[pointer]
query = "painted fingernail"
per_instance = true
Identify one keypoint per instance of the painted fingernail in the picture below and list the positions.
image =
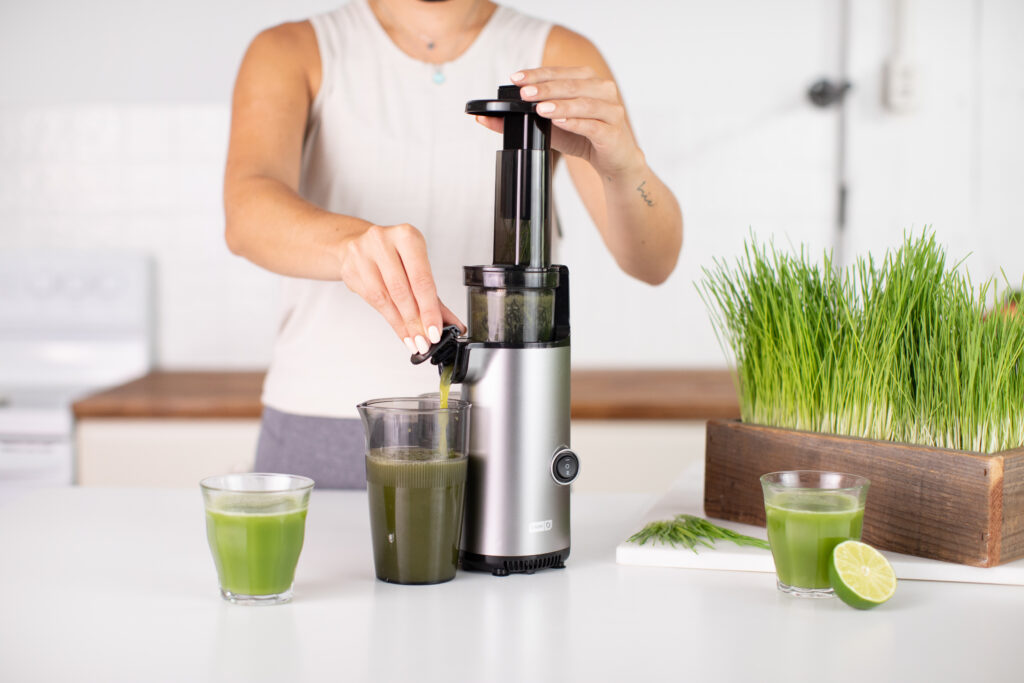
(422, 344)
(545, 107)
(518, 76)
(409, 345)
(528, 91)
(434, 334)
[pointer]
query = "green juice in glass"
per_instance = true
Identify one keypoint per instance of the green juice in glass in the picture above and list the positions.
(804, 528)
(415, 513)
(256, 553)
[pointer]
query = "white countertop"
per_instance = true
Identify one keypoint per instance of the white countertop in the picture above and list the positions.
(118, 585)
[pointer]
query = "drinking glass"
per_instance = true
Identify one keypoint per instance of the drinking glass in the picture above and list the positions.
(808, 514)
(255, 524)
(416, 466)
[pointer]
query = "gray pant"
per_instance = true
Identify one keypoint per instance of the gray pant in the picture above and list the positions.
(328, 450)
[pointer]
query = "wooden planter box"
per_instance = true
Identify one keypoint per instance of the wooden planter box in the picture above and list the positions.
(942, 504)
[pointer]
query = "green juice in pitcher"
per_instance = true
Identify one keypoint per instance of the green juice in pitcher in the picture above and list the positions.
(416, 498)
(804, 528)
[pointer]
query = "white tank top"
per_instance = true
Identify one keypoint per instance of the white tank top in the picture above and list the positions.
(385, 143)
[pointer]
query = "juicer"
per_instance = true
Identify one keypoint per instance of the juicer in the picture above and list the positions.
(513, 364)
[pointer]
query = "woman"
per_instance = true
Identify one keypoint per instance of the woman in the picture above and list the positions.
(353, 171)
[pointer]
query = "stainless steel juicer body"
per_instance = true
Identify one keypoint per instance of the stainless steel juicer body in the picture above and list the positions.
(517, 509)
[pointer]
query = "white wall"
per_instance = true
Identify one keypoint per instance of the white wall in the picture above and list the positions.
(956, 162)
(113, 126)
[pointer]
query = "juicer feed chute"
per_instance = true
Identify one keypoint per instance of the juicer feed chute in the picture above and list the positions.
(514, 363)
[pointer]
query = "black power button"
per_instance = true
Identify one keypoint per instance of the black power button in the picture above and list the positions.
(565, 466)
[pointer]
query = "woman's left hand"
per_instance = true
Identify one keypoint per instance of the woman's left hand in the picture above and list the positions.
(587, 116)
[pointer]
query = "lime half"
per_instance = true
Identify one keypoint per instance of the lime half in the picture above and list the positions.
(860, 575)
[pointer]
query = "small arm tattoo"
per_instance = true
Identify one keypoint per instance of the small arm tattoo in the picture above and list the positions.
(644, 194)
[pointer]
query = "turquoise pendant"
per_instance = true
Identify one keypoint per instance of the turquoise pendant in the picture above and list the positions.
(438, 77)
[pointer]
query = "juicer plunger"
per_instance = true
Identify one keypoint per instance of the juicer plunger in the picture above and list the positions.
(513, 364)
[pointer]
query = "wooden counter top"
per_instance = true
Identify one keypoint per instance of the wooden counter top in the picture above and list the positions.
(676, 394)
(179, 394)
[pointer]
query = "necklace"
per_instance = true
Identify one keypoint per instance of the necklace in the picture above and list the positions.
(430, 43)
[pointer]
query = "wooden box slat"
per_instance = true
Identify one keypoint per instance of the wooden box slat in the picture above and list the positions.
(1013, 505)
(943, 504)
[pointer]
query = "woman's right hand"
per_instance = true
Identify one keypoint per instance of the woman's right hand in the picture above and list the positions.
(387, 266)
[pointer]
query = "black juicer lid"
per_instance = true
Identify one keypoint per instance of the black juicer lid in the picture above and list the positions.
(524, 129)
(509, 102)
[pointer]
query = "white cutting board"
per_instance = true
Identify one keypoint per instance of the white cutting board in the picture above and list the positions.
(686, 496)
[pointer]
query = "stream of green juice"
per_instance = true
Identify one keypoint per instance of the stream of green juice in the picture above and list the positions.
(804, 528)
(256, 554)
(446, 387)
(446, 383)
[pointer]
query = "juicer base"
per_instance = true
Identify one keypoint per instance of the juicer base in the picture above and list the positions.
(499, 565)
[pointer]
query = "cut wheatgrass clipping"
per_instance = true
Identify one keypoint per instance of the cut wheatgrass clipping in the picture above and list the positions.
(860, 575)
(689, 531)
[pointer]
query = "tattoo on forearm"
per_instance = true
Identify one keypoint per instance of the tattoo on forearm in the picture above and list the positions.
(644, 194)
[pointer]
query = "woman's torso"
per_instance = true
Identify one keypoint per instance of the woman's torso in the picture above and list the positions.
(385, 143)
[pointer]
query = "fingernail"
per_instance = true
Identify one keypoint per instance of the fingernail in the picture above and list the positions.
(528, 91)
(518, 76)
(545, 107)
(409, 345)
(434, 334)
(558, 120)
(422, 344)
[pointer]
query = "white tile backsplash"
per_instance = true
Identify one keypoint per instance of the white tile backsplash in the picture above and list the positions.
(147, 135)
(143, 177)
(95, 137)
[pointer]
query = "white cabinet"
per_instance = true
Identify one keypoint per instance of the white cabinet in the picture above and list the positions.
(635, 456)
(620, 455)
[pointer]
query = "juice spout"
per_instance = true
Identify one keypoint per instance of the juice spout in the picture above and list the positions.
(449, 351)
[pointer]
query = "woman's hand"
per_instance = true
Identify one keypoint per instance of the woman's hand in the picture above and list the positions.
(388, 267)
(588, 118)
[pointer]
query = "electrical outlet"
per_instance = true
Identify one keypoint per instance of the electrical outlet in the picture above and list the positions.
(901, 86)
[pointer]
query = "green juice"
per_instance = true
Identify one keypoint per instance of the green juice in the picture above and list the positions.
(415, 513)
(255, 553)
(803, 528)
(446, 386)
